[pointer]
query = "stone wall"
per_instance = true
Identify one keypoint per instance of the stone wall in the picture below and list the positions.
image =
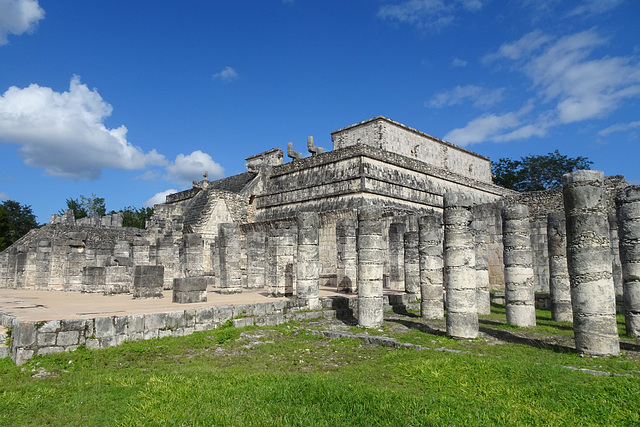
(395, 137)
(359, 175)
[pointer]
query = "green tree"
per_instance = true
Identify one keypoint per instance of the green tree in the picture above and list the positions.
(86, 206)
(15, 221)
(135, 217)
(533, 173)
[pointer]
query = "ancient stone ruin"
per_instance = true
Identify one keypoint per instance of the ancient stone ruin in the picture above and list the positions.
(389, 212)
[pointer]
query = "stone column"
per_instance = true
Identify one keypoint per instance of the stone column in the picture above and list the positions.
(193, 257)
(256, 259)
(140, 251)
(518, 266)
(411, 263)
(589, 263)
(615, 254)
(431, 267)
(43, 264)
(396, 256)
(280, 258)
(308, 262)
(347, 256)
(628, 208)
(230, 273)
(480, 236)
(370, 267)
(459, 266)
(559, 286)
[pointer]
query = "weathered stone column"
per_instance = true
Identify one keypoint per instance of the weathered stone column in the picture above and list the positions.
(193, 253)
(280, 258)
(43, 264)
(628, 209)
(518, 266)
(396, 256)
(559, 286)
(370, 267)
(589, 263)
(347, 255)
(230, 273)
(615, 254)
(483, 297)
(459, 267)
(308, 262)
(431, 267)
(411, 263)
(256, 259)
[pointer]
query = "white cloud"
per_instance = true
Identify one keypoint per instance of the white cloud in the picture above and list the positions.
(227, 75)
(427, 14)
(594, 7)
(186, 169)
(159, 198)
(525, 46)
(18, 17)
(571, 86)
(64, 133)
(620, 127)
(483, 128)
(4, 196)
(583, 88)
(480, 96)
(457, 62)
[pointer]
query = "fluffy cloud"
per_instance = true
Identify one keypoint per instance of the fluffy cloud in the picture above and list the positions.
(64, 133)
(17, 17)
(3, 195)
(480, 96)
(159, 198)
(427, 14)
(571, 85)
(483, 128)
(186, 169)
(227, 75)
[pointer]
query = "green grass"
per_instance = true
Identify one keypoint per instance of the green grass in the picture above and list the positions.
(285, 375)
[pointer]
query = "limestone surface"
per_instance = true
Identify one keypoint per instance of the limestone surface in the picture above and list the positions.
(559, 286)
(518, 266)
(431, 266)
(459, 267)
(628, 210)
(370, 267)
(589, 264)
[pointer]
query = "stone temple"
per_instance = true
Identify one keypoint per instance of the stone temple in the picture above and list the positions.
(358, 218)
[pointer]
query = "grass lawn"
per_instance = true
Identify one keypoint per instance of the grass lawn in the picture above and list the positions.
(286, 375)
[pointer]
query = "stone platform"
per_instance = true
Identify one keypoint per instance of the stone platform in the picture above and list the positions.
(44, 322)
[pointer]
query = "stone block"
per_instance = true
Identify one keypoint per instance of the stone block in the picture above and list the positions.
(67, 338)
(50, 326)
(155, 321)
(45, 339)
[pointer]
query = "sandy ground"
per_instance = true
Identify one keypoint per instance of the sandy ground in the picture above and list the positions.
(29, 305)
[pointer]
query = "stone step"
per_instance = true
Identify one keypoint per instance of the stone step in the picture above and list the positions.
(278, 319)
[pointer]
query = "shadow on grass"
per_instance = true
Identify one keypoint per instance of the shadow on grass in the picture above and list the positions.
(402, 309)
(422, 327)
(510, 337)
(629, 346)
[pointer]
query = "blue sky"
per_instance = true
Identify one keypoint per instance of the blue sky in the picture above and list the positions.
(129, 99)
